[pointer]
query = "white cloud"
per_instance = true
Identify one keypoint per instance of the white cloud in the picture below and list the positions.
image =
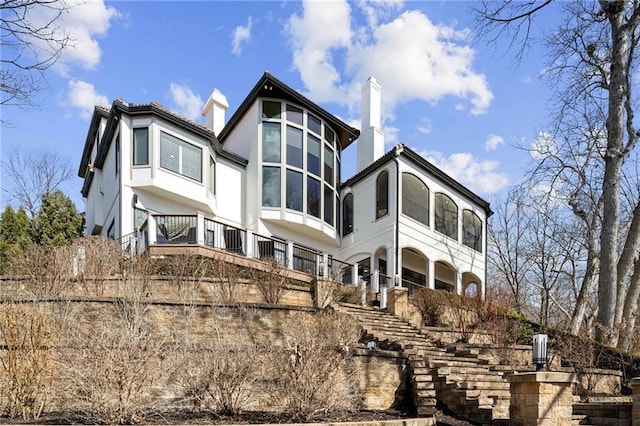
(478, 175)
(410, 56)
(83, 96)
(543, 146)
(378, 10)
(425, 126)
(323, 28)
(186, 102)
(493, 142)
(241, 35)
(83, 22)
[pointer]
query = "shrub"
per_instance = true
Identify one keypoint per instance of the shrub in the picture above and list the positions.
(26, 362)
(48, 270)
(112, 364)
(313, 371)
(272, 281)
(431, 304)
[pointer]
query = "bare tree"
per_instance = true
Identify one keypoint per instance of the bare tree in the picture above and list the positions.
(592, 62)
(506, 251)
(32, 41)
(32, 175)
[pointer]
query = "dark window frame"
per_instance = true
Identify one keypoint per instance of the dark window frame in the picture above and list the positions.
(410, 207)
(446, 219)
(382, 194)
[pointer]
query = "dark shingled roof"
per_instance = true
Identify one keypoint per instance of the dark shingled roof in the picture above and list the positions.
(113, 115)
(401, 150)
(270, 87)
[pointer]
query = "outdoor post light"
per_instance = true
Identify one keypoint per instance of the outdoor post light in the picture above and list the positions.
(540, 351)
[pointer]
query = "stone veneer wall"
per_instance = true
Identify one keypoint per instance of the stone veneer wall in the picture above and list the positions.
(383, 379)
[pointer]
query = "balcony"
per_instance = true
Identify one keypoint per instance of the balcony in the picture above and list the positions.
(172, 234)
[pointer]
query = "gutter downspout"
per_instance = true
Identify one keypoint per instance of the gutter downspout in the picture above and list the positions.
(398, 150)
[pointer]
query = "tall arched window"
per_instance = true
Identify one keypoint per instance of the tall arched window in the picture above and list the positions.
(415, 198)
(446, 216)
(471, 230)
(347, 214)
(382, 194)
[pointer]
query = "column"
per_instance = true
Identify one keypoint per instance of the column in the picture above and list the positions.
(431, 274)
(458, 282)
(200, 231)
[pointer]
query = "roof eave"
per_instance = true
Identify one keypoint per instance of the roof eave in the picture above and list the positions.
(269, 86)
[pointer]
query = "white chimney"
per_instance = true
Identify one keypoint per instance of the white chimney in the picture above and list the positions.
(214, 110)
(371, 141)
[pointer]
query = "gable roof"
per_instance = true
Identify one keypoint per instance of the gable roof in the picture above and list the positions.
(271, 87)
(401, 150)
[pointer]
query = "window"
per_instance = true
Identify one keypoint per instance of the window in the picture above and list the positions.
(313, 197)
(141, 146)
(212, 176)
(294, 147)
(446, 216)
(347, 214)
(271, 142)
(180, 157)
(328, 165)
(382, 194)
(313, 155)
(415, 198)
(313, 124)
(294, 190)
(271, 186)
(300, 162)
(294, 115)
(270, 109)
(328, 205)
(471, 230)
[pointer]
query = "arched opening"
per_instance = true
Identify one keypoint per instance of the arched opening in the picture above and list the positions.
(382, 194)
(471, 230)
(446, 216)
(414, 269)
(415, 198)
(472, 286)
(445, 278)
(347, 214)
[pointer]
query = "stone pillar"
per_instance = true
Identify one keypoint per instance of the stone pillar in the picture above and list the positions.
(323, 292)
(542, 398)
(398, 301)
(635, 411)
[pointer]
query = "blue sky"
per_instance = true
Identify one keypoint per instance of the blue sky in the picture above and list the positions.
(462, 103)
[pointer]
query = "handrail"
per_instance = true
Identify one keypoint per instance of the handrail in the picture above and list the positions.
(188, 229)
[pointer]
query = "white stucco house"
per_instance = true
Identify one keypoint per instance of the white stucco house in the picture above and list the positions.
(267, 183)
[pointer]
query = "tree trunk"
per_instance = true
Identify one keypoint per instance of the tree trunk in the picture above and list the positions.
(587, 283)
(608, 279)
(628, 256)
(630, 309)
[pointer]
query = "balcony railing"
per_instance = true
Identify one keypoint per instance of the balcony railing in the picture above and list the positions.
(196, 229)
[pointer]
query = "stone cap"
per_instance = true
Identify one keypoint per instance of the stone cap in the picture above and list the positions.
(543, 377)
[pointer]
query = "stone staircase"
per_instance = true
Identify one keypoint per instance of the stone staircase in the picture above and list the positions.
(454, 379)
